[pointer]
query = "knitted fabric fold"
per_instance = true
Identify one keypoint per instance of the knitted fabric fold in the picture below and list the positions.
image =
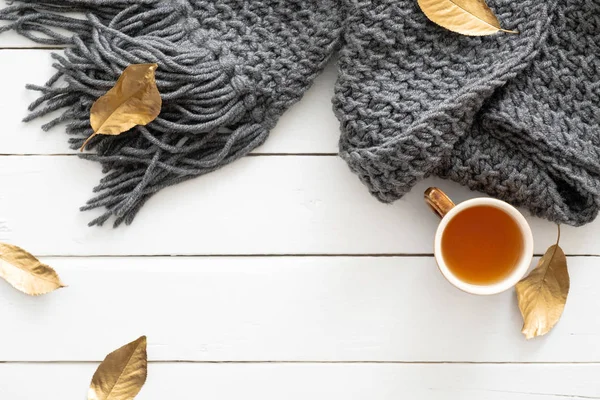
(227, 71)
(514, 116)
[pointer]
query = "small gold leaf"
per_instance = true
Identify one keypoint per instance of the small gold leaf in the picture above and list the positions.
(122, 373)
(543, 294)
(134, 100)
(467, 17)
(25, 272)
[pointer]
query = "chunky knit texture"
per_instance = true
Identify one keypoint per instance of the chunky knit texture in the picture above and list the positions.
(514, 116)
(227, 71)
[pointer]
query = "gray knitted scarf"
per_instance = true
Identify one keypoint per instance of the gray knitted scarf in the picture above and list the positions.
(514, 116)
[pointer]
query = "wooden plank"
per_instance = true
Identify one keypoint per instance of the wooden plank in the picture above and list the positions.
(258, 205)
(287, 309)
(317, 381)
(308, 127)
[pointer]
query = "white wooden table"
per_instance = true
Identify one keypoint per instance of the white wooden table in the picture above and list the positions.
(277, 277)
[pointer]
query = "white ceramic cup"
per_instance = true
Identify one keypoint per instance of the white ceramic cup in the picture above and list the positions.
(441, 204)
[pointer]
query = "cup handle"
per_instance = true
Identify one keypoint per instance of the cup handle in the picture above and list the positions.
(438, 201)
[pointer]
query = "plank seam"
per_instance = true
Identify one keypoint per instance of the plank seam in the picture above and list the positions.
(589, 363)
(256, 154)
(283, 255)
(34, 48)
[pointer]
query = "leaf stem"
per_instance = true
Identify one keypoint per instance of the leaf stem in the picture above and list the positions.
(86, 141)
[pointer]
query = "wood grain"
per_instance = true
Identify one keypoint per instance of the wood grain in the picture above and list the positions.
(258, 205)
(178, 381)
(369, 311)
(286, 309)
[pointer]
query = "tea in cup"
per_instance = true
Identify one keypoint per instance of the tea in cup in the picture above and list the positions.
(483, 245)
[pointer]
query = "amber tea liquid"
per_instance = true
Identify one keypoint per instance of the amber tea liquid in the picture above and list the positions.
(482, 245)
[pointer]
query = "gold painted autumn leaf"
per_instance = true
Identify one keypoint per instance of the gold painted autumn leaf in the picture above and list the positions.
(543, 294)
(467, 17)
(134, 100)
(25, 272)
(122, 373)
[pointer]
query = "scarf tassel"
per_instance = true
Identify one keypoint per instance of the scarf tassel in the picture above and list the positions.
(205, 122)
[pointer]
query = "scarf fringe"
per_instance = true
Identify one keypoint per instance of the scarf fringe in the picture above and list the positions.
(205, 122)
